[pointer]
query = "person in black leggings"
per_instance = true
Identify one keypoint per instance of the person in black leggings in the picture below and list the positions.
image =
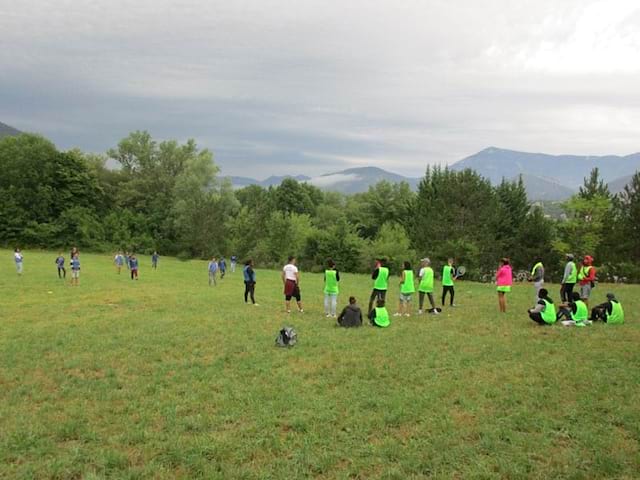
(249, 282)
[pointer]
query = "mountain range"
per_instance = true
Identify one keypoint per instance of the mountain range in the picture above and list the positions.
(546, 177)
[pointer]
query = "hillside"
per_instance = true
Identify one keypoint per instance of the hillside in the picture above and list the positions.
(7, 130)
(357, 180)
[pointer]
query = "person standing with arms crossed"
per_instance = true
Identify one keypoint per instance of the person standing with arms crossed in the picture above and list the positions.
(380, 277)
(291, 281)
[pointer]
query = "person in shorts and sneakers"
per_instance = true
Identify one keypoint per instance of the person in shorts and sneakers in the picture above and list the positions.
(291, 281)
(586, 277)
(407, 289)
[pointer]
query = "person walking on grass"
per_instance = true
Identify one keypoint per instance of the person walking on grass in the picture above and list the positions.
(18, 258)
(331, 289)
(351, 315)
(234, 261)
(586, 278)
(154, 260)
(610, 312)
(62, 272)
(75, 270)
(133, 266)
(448, 281)
(249, 275)
(425, 287)
(544, 313)
(569, 279)
(222, 266)
(213, 271)
(537, 276)
(118, 261)
(379, 316)
(407, 289)
(291, 281)
(504, 280)
(380, 277)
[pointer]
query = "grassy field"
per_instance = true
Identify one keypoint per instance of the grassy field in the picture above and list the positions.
(169, 378)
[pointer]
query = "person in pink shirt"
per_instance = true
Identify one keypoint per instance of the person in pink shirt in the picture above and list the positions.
(504, 279)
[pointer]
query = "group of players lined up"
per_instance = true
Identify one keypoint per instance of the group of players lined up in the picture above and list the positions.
(574, 307)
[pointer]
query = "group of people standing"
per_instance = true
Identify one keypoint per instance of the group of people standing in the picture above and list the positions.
(132, 263)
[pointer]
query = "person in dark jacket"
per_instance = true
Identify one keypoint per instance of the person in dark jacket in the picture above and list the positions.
(351, 315)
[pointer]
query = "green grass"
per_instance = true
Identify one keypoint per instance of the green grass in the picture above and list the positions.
(168, 378)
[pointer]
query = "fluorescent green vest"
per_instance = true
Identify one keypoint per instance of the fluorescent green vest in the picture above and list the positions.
(535, 267)
(582, 313)
(617, 313)
(382, 317)
(584, 272)
(573, 276)
(447, 276)
(408, 286)
(426, 282)
(549, 312)
(382, 281)
(330, 282)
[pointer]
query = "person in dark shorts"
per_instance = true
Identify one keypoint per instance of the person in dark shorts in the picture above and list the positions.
(291, 282)
(380, 277)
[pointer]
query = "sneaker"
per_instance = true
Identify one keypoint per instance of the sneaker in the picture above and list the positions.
(327, 315)
(256, 305)
(397, 314)
(301, 311)
(436, 312)
(288, 311)
(420, 312)
(407, 314)
(334, 315)
(453, 305)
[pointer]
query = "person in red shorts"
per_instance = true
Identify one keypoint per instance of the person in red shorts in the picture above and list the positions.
(291, 281)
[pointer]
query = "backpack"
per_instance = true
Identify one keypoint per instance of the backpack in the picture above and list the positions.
(287, 337)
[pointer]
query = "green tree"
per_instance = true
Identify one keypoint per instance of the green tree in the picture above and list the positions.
(392, 243)
(594, 186)
(582, 231)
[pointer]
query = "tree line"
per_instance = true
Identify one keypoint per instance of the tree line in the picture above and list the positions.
(144, 195)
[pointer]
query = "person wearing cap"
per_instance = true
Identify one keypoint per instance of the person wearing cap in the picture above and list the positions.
(425, 287)
(569, 279)
(544, 313)
(537, 276)
(609, 312)
(586, 277)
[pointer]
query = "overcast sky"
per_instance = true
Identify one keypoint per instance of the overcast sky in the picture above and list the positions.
(305, 86)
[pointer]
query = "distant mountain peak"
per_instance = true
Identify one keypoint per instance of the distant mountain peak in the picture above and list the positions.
(8, 130)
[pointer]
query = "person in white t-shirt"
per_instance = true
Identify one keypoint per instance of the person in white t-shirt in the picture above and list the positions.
(17, 256)
(291, 281)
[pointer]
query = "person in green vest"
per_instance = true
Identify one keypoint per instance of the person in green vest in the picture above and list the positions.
(537, 277)
(569, 279)
(448, 279)
(380, 277)
(331, 289)
(576, 311)
(610, 311)
(586, 278)
(425, 286)
(379, 316)
(407, 289)
(544, 313)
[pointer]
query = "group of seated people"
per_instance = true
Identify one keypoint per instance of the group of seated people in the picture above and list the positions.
(351, 315)
(576, 311)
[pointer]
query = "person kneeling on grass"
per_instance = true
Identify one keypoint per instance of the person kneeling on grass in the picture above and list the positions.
(379, 316)
(351, 315)
(576, 311)
(544, 313)
(609, 312)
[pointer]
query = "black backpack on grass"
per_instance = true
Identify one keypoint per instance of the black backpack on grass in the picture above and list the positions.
(287, 337)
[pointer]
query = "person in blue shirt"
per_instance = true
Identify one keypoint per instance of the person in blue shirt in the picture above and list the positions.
(133, 266)
(234, 260)
(213, 269)
(62, 273)
(249, 282)
(222, 265)
(75, 270)
(154, 260)
(118, 261)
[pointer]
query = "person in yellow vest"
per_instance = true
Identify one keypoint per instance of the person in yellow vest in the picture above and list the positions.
(586, 278)
(576, 312)
(569, 279)
(379, 316)
(610, 312)
(537, 276)
(544, 313)
(425, 287)
(448, 279)
(407, 289)
(380, 277)
(331, 289)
